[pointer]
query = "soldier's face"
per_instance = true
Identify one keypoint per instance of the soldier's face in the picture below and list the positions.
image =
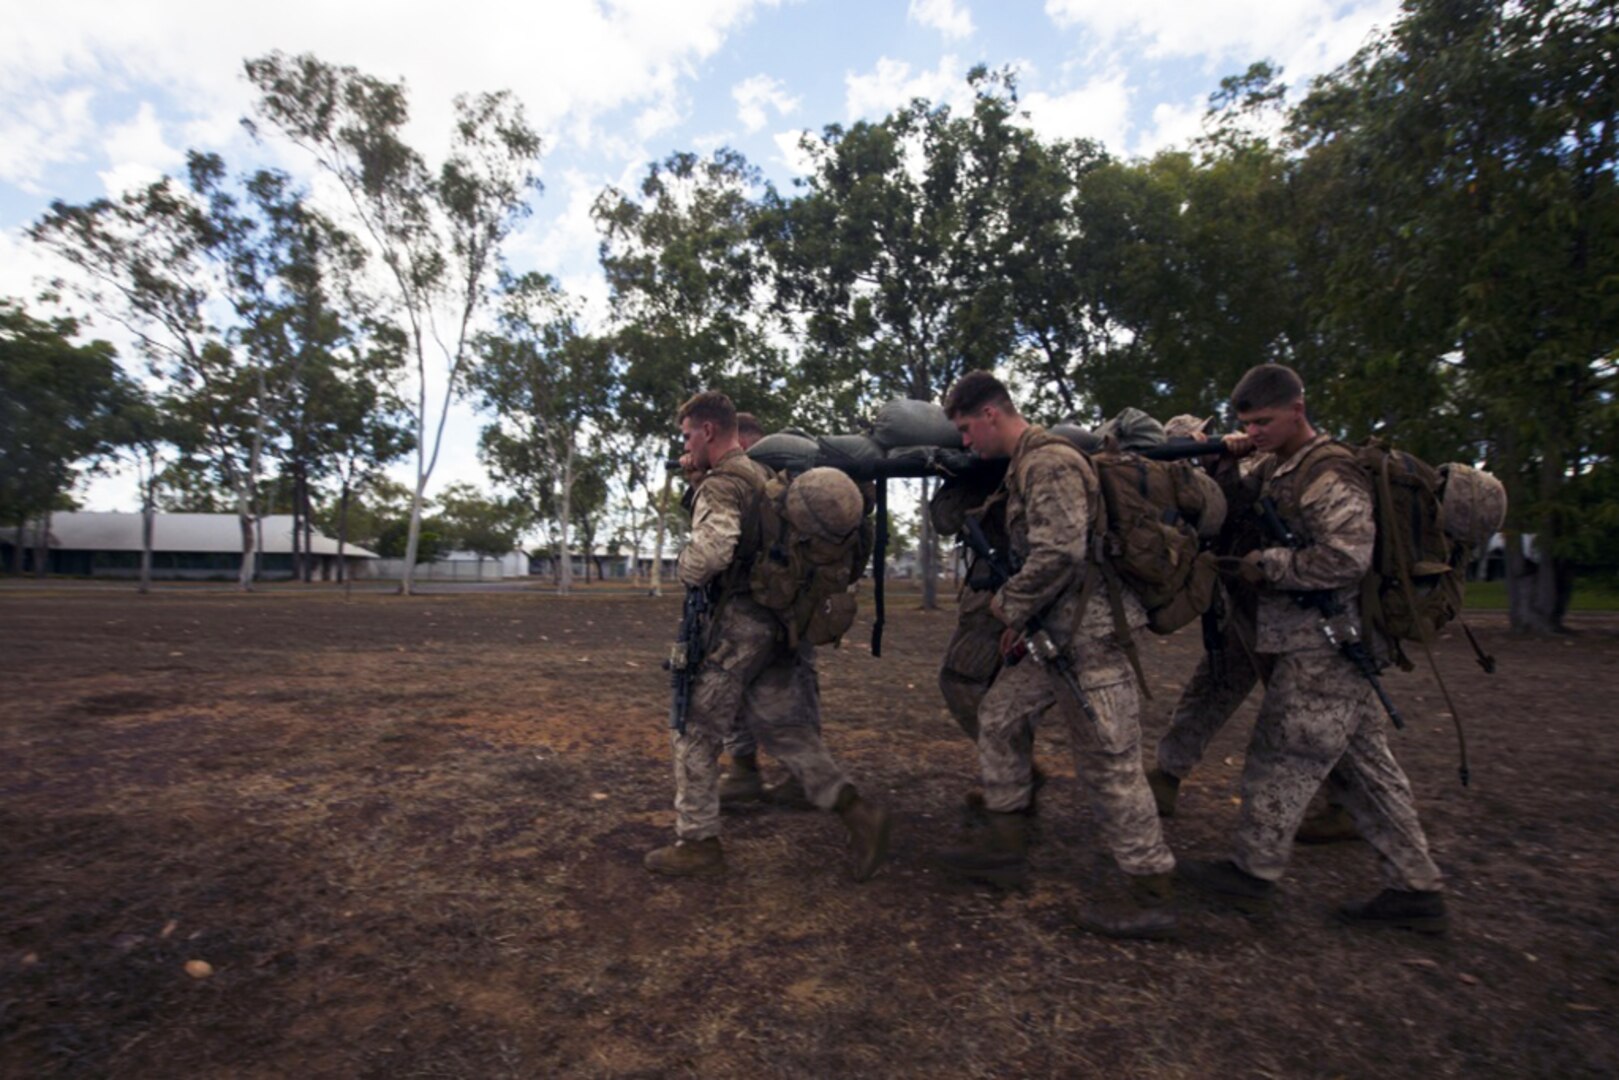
(698, 437)
(981, 432)
(1275, 428)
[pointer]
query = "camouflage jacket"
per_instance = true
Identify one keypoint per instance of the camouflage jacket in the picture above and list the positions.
(1324, 497)
(723, 508)
(1052, 498)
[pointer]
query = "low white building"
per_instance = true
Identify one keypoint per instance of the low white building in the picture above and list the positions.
(107, 544)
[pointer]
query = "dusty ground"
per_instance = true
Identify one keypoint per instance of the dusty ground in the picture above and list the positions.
(406, 836)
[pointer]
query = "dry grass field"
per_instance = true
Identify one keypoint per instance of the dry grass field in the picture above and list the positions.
(404, 835)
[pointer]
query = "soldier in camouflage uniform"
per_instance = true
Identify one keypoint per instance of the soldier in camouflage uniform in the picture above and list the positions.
(1319, 717)
(1051, 503)
(749, 675)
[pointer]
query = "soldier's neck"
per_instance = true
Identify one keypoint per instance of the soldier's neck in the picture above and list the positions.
(1299, 441)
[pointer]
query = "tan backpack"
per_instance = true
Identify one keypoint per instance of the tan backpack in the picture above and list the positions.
(814, 539)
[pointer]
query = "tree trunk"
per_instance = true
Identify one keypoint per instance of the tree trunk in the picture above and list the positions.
(309, 534)
(17, 548)
(657, 547)
(42, 545)
(297, 539)
(244, 516)
(565, 557)
(343, 533)
(148, 525)
(929, 553)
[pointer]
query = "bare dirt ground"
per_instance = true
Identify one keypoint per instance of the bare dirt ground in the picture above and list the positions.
(405, 835)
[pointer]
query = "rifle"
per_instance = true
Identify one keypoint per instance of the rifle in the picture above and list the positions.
(686, 655)
(1038, 640)
(1336, 625)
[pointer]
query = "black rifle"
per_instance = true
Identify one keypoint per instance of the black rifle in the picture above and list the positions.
(1040, 645)
(1336, 625)
(686, 655)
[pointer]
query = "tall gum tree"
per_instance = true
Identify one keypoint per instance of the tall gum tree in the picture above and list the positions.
(682, 269)
(887, 256)
(437, 232)
(1474, 145)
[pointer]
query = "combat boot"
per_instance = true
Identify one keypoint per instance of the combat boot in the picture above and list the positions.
(1331, 826)
(1423, 912)
(1165, 789)
(741, 781)
(868, 826)
(1225, 880)
(997, 854)
(976, 812)
(688, 858)
(1142, 913)
(789, 794)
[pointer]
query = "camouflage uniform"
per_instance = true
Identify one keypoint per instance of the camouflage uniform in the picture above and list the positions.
(973, 657)
(749, 675)
(1319, 715)
(1211, 698)
(1052, 499)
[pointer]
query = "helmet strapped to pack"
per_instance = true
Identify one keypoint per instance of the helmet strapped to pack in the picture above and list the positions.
(814, 542)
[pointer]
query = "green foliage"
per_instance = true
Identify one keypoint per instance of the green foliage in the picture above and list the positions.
(62, 405)
(472, 521)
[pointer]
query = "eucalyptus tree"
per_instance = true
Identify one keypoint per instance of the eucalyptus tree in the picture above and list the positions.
(1465, 168)
(157, 261)
(888, 256)
(684, 274)
(61, 409)
(438, 232)
(550, 389)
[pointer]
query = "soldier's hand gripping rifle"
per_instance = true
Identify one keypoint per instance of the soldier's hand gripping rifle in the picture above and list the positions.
(1040, 644)
(1336, 625)
(686, 655)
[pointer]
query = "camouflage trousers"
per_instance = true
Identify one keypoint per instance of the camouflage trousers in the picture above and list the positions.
(750, 678)
(1319, 718)
(971, 660)
(1208, 700)
(1107, 755)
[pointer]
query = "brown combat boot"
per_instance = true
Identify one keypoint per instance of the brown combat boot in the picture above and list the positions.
(789, 794)
(868, 826)
(1423, 912)
(996, 855)
(1165, 789)
(688, 858)
(1226, 881)
(741, 781)
(1331, 826)
(976, 814)
(1141, 914)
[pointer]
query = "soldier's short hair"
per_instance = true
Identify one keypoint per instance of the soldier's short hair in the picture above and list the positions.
(973, 391)
(747, 424)
(709, 407)
(1267, 386)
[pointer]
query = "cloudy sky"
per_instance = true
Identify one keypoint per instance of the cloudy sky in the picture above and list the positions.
(98, 95)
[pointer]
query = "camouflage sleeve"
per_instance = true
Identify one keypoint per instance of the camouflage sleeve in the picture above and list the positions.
(716, 527)
(1058, 523)
(1337, 510)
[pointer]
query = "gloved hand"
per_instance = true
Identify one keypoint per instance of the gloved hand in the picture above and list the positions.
(1246, 569)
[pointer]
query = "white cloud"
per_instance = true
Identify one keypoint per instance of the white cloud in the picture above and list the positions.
(569, 61)
(139, 152)
(891, 84)
(1098, 110)
(1229, 31)
(754, 94)
(49, 130)
(945, 16)
(791, 154)
(1173, 127)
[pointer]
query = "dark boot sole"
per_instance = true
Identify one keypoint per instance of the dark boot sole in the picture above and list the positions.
(1164, 928)
(1429, 925)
